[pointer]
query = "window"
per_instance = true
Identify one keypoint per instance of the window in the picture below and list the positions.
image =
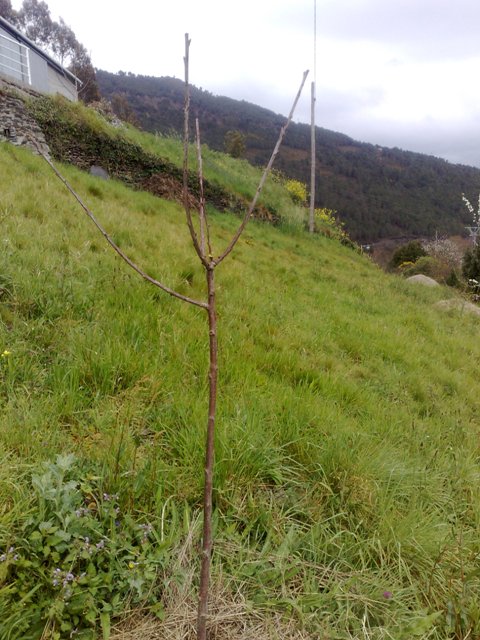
(14, 59)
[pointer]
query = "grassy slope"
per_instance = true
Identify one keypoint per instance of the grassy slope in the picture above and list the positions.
(347, 446)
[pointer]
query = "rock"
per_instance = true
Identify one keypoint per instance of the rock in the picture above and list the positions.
(425, 280)
(99, 172)
(458, 304)
(17, 125)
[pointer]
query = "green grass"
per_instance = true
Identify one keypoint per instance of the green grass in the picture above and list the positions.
(237, 176)
(347, 442)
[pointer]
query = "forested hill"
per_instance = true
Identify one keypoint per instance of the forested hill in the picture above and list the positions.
(378, 192)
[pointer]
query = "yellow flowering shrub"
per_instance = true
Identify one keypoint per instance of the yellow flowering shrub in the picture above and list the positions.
(297, 191)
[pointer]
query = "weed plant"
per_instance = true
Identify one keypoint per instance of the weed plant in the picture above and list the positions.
(347, 478)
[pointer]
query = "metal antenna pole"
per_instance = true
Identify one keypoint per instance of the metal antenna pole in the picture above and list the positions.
(311, 220)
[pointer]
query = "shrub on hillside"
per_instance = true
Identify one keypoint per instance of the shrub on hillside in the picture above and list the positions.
(409, 252)
(445, 251)
(327, 223)
(297, 191)
(234, 143)
(426, 265)
(471, 264)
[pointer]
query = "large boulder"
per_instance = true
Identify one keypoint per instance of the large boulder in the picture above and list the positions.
(425, 280)
(458, 304)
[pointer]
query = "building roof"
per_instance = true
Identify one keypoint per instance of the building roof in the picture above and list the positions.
(19, 36)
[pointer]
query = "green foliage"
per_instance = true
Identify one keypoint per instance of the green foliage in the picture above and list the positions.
(471, 264)
(76, 560)
(235, 144)
(85, 136)
(409, 252)
(426, 265)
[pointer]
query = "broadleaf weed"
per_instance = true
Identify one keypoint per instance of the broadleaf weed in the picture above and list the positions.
(77, 560)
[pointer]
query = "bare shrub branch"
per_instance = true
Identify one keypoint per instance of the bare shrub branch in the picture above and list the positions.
(204, 228)
(186, 137)
(249, 212)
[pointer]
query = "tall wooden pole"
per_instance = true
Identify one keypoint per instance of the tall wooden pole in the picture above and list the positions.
(311, 219)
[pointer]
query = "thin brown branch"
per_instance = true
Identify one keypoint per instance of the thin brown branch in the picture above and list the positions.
(116, 248)
(261, 184)
(204, 227)
(209, 461)
(186, 136)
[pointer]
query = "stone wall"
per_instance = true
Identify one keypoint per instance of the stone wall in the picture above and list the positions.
(17, 125)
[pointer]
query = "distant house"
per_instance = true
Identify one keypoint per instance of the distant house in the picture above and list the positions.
(25, 64)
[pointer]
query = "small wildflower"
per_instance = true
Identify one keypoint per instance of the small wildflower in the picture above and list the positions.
(387, 595)
(100, 545)
(132, 565)
(69, 577)
(6, 353)
(56, 577)
(9, 555)
(107, 497)
(146, 531)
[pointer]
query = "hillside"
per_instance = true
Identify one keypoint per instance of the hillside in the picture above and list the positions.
(346, 482)
(378, 192)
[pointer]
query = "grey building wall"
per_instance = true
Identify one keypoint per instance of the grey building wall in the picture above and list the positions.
(44, 77)
(58, 83)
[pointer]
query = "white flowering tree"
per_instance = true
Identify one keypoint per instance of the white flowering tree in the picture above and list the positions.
(475, 228)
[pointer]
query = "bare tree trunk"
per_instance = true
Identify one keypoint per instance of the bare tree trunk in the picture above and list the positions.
(311, 221)
(209, 460)
(201, 245)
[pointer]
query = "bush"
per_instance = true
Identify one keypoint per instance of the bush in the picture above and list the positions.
(235, 144)
(425, 265)
(471, 264)
(409, 252)
(297, 191)
(327, 223)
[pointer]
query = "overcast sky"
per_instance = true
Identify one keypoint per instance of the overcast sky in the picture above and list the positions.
(402, 73)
